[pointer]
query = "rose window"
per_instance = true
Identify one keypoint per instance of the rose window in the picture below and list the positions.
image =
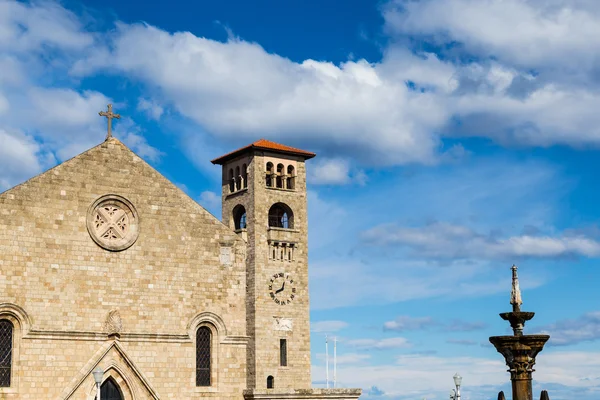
(113, 223)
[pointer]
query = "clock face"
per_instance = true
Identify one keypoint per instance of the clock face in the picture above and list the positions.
(282, 289)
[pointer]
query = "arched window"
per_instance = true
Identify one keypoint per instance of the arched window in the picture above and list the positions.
(290, 177)
(6, 347)
(239, 217)
(231, 181)
(110, 390)
(269, 176)
(270, 382)
(281, 216)
(203, 355)
(279, 177)
(245, 175)
(238, 178)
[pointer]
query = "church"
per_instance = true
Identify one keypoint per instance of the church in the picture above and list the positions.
(111, 277)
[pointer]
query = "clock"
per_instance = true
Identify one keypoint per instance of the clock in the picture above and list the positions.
(282, 289)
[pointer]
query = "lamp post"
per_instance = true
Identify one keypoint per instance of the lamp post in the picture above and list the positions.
(98, 373)
(457, 381)
(455, 393)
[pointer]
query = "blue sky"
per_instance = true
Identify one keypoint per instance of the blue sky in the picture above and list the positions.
(454, 138)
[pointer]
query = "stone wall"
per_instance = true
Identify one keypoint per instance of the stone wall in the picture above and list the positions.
(185, 268)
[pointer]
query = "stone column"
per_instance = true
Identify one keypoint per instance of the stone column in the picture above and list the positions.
(520, 353)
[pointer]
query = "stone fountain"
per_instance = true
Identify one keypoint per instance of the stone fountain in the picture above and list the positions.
(519, 350)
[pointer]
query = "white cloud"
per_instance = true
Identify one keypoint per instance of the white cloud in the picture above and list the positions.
(568, 332)
(327, 326)
(38, 43)
(380, 344)
(571, 368)
(529, 33)
(419, 376)
(346, 273)
(359, 109)
(18, 158)
(346, 358)
(329, 171)
(344, 283)
(334, 171)
(238, 89)
(462, 342)
(152, 109)
(211, 201)
(28, 27)
(139, 144)
(394, 111)
(408, 323)
(446, 240)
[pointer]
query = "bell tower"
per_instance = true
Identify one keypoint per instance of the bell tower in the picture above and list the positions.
(264, 201)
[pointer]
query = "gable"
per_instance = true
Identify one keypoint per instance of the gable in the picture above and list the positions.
(117, 365)
(170, 273)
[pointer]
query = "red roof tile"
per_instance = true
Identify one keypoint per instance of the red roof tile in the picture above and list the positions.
(263, 144)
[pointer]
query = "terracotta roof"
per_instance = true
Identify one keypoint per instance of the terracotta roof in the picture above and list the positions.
(263, 144)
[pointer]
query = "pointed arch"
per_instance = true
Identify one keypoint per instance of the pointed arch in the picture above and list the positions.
(119, 378)
(110, 390)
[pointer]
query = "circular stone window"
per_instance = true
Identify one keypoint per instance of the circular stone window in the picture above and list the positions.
(113, 223)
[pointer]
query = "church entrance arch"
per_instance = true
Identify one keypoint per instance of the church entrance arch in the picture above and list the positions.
(110, 391)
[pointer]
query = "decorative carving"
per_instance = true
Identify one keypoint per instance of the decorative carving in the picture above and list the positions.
(112, 223)
(282, 324)
(515, 293)
(113, 324)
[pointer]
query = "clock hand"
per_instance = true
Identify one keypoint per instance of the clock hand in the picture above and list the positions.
(280, 290)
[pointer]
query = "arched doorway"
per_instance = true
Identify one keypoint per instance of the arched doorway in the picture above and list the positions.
(110, 391)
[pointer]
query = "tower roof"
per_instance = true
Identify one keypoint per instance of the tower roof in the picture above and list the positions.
(263, 144)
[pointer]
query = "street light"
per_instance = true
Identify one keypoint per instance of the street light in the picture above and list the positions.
(98, 374)
(457, 381)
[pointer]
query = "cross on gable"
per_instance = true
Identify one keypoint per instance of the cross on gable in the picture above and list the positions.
(109, 116)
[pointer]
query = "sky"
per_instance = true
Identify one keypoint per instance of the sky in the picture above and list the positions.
(454, 139)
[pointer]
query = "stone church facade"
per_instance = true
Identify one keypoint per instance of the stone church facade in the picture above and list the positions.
(106, 265)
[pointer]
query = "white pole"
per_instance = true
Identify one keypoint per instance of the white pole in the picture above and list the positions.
(334, 361)
(98, 390)
(326, 363)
